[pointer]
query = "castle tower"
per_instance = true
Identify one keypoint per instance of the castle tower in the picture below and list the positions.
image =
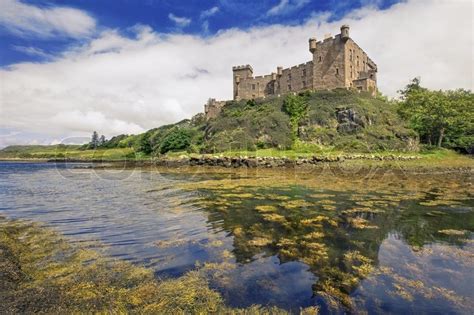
(345, 32)
(312, 45)
(240, 73)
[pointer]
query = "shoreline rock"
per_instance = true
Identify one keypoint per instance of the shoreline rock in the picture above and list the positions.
(271, 162)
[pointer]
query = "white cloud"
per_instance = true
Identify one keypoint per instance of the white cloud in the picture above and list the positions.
(205, 27)
(287, 6)
(204, 17)
(32, 51)
(115, 84)
(208, 13)
(179, 21)
(28, 20)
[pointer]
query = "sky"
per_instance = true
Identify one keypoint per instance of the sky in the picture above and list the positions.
(68, 68)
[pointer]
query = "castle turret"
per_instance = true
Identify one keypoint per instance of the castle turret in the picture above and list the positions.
(243, 72)
(312, 45)
(240, 73)
(345, 32)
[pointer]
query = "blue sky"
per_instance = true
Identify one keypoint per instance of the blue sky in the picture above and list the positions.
(198, 17)
(125, 66)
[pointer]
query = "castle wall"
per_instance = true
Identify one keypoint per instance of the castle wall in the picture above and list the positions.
(365, 84)
(212, 108)
(296, 79)
(329, 67)
(358, 65)
(255, 87)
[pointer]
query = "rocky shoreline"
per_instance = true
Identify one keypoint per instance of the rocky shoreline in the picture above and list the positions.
(249, 162)
(235, 162)
(271, 162)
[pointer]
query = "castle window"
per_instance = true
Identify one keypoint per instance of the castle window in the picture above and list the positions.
(253, 86)
(289, 87)
(337, 71)
(304, 72)
(320, 59)
(289, 76)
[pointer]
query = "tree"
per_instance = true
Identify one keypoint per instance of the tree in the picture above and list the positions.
(178, 139)
(439, 116)
(297, 108)
(102, 140)
(94, 140)
(144, 144)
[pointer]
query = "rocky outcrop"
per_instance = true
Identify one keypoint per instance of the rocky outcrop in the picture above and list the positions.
(348, 120)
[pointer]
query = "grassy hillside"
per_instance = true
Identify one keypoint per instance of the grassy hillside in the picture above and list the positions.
(337, 120)
(332, 122)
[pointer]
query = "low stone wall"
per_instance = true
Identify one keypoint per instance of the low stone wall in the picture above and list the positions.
(270, 162)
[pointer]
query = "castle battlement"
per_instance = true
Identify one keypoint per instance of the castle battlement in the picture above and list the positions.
(337, 62)
(242, 67)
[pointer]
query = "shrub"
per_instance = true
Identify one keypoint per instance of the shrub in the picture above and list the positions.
(178, 139)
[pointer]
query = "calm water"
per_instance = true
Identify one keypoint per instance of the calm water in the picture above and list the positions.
(392, 243)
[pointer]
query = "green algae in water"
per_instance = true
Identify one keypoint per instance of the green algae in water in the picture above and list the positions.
(338, 235)
(43, 273)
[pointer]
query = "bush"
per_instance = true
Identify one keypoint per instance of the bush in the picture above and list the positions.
(144, 144)
(352, 144)
(178, 139)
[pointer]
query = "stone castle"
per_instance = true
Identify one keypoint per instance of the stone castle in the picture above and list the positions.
(338, 62)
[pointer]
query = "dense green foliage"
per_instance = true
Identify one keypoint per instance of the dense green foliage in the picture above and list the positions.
(296, 107)
(177, 140)
(312, 120)
(442, 118)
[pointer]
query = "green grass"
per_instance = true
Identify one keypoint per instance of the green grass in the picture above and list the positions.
(70, 152)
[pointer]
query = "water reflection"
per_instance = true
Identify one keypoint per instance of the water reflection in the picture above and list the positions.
(339, 234)
(291, 239)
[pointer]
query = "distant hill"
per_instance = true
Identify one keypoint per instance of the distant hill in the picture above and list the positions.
(35, 151)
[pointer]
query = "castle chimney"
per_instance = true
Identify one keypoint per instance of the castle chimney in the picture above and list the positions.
(345, 32)
(312, 45)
